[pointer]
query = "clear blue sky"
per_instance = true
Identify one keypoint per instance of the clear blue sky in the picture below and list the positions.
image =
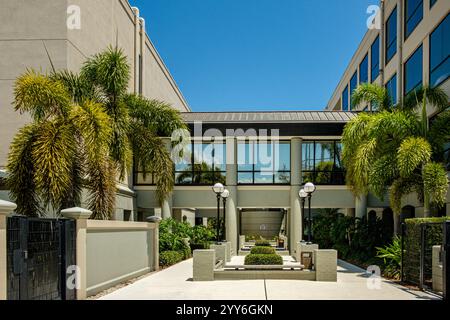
(244, 55)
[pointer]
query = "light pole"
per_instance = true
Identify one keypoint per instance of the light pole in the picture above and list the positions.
(225, 194)
(302, 194)
(218, 188)
(309, 189)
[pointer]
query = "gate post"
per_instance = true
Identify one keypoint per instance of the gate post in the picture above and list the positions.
(6, 208)
(81, 216)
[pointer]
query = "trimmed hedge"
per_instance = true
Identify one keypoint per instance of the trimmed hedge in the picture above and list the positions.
(263, 259)
(262, 243)
(262, 250)
(168, 258)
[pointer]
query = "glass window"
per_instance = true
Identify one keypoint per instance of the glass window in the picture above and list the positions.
(322, 162)
(391, 87)
(432, 2)
(413, 15)
(267, 162)
(345, 99)
(413, 71)
(353, 84)
(364, 70)
(391, 36)
(202, 164)
(375, 59)
(440, 52)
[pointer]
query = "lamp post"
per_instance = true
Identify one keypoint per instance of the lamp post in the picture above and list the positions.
(309, 189)
(218, 188)
(302, 194)
(225, 194)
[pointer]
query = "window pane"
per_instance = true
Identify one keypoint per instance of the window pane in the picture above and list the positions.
(245, 156)
(183, 177)
(264, 156)
(440, 52)
(413, 71)
(324, 155)
(391, 86)
(245, 178)
(203, 153)
(282, 154)
(263, 177)
(353, 84)
(432, 2)
(184, 161)
(220, 157)
(308, 155)
(282, 177)
(338, 163)
(375, 57)
(413, 15)
(391, 36)
(364, 70)
(345, 99)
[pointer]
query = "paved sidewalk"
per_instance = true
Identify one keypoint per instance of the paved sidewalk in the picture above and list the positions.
(175, 283)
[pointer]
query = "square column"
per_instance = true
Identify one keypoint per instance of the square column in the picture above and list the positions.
(231, 228)
(295, 214)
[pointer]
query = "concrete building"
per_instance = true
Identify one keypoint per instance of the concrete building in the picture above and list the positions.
(38, 33)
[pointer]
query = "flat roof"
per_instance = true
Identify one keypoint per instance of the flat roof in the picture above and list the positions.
(269, 117)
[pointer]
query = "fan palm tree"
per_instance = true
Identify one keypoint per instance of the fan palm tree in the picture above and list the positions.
(392, 150)
(86, 128)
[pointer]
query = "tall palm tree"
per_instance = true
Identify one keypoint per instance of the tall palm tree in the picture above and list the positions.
(86, 129)
(390, 150)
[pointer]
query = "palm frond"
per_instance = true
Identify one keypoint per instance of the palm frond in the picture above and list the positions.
(373, 94)
(435, 183)
(412, 153)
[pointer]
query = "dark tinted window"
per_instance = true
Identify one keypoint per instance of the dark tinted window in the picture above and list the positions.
(345, 99)
(440, 52)
(413, 15)
(432, 2)
(375, 57)
(413, 71)
(364, 70)
(391, 86)
(391, 36)
(353, 84)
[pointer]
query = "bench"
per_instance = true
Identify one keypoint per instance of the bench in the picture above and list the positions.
(265, 267)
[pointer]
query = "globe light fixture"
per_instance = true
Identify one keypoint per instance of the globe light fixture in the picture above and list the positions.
(225, 194)
(218, 188)
(302, 194)
(309, 188)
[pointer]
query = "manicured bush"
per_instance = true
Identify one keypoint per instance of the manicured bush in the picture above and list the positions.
(262, 250)
(263, 259)
(262, 243)
(168, 258)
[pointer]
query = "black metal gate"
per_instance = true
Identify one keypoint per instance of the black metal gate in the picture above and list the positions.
(39, 252)
(417, 244)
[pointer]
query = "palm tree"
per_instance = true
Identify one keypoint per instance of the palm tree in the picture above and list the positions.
(391, 150)
(373, 94)
(86, 129)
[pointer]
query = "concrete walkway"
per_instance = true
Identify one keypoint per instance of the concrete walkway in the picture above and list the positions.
(175, 283)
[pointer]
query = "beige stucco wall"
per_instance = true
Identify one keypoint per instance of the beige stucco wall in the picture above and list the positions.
(108, 245)
(26, 25)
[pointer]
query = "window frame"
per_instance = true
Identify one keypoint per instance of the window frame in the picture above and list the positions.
(443, 61)
(394, 14)
(406, 18)
(377, 66)
(420, 47)
(366, 59)
(351, 89)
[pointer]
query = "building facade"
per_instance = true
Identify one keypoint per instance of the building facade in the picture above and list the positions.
(42, 34)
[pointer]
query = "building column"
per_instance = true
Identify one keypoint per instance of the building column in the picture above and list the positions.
(166, 206)
(231, 228)
(6, 208)
(361, 206)
(295, 213)
(81, 216)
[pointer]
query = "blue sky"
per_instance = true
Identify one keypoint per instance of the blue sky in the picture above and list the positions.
(247, 55)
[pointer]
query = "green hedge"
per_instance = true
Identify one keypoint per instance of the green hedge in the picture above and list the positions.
(263, 259)
(262, 243)
(262, 250)
(168, 258)
(412, 242)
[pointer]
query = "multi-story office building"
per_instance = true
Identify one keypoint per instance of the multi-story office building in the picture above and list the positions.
(410, 47)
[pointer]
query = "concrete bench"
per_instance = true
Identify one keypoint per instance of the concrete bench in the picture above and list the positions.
(264, 267)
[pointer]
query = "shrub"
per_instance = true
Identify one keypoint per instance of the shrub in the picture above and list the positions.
(168, 258)
(262, 243)
(262, 250)
(392, 258)
(263, 259)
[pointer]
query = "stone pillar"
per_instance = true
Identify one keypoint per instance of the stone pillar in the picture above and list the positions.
(326, 265)
(437, 270)
(6, 208)
(295, 219)
(166, 206)
(203, 265)
(81, 216)
(231, 228)
(155, 241)
(361, 206)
